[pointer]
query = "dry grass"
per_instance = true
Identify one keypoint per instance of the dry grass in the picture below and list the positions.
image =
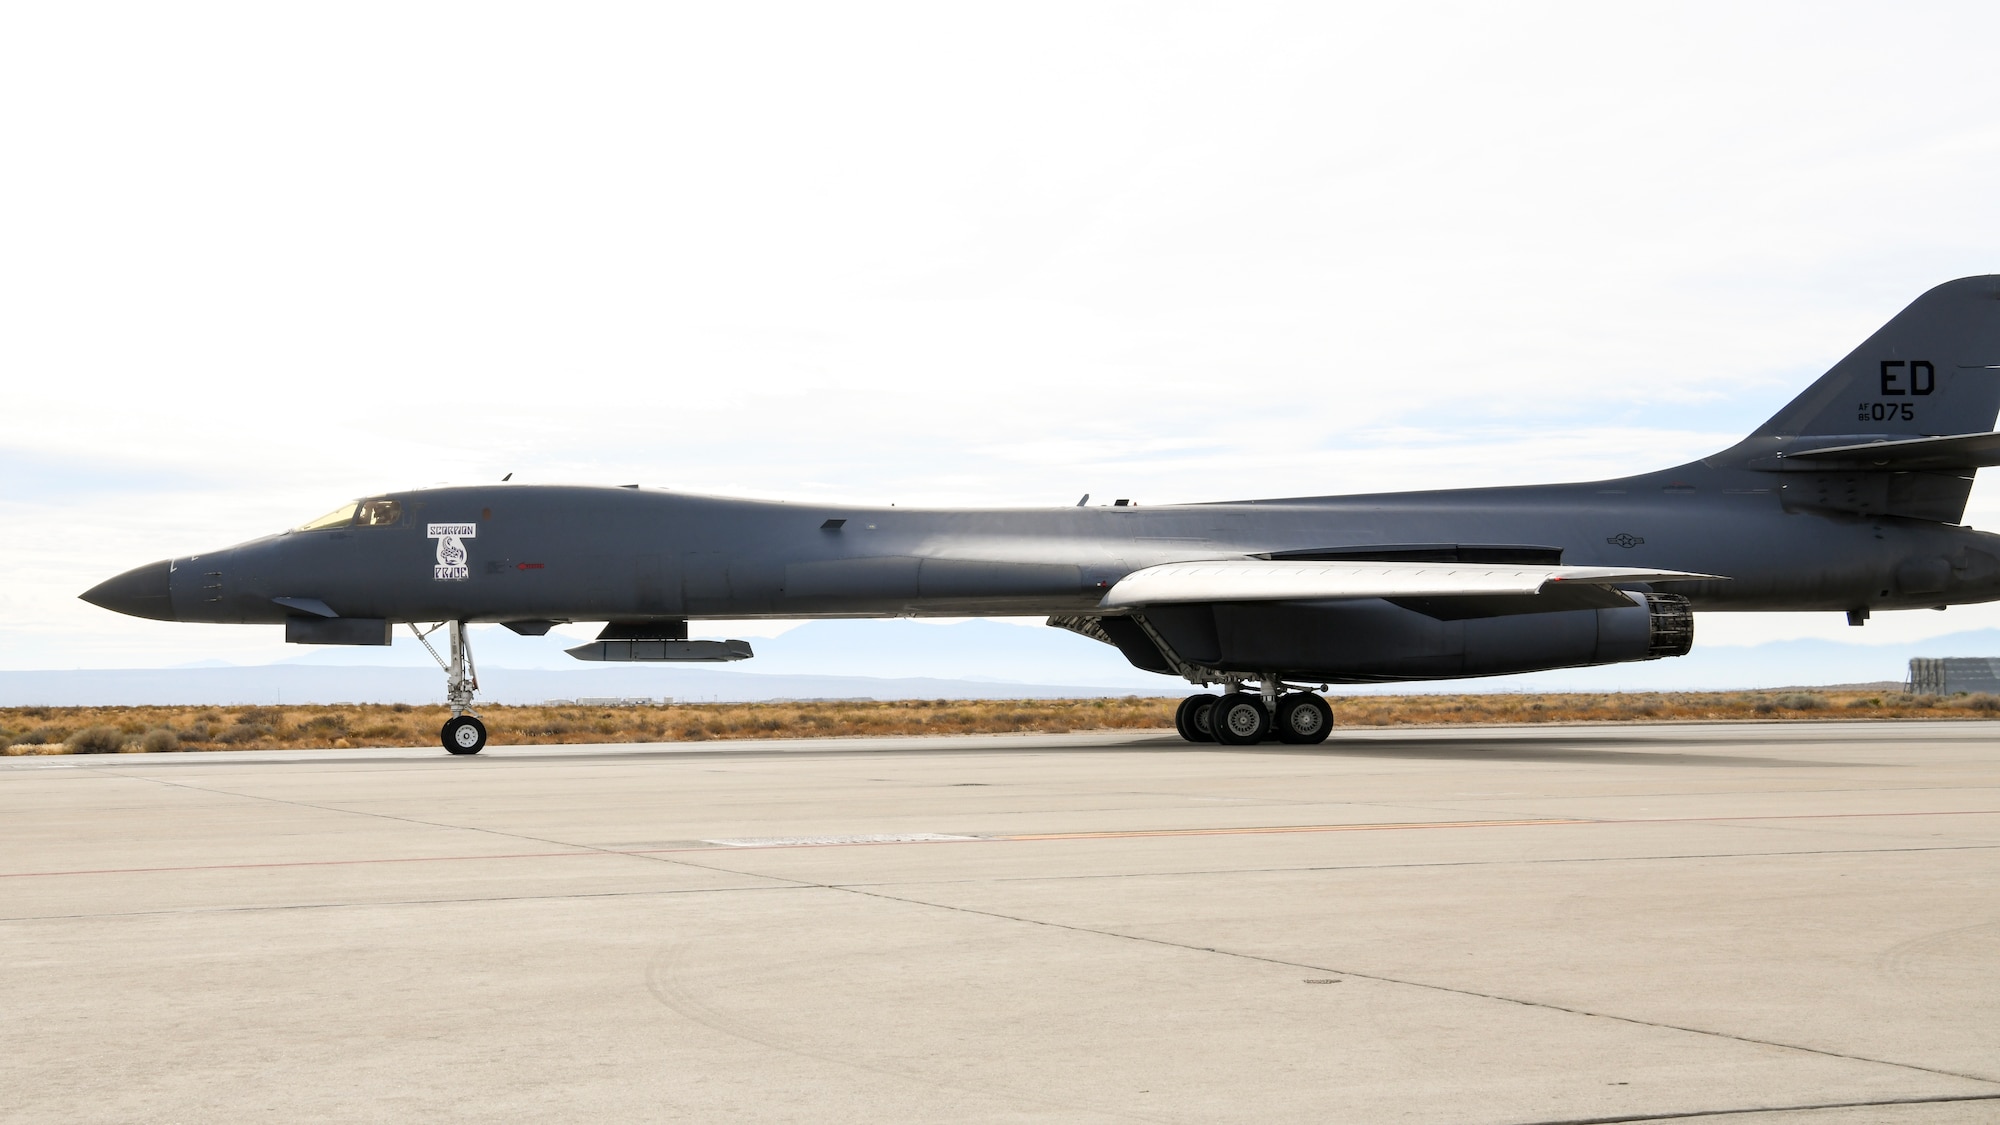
(57, 730)
(64, 730)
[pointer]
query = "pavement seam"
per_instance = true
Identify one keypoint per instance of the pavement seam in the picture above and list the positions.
(1544, 1005)
(1938, 1099)
(1401, 866)
(279, 907)
(574, 849)
(782, 883)
(1634, 1021)
(662, 982)
(579, 848)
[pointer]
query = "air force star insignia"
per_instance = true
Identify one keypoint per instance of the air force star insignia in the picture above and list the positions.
(1625, 539)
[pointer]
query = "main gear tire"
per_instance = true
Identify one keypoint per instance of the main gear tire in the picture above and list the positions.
(464, 735)
(1240, 719)
(1193, 718)
(1304, 719)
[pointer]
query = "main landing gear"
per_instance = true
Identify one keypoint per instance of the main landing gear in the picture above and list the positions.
(463, 733)
(1195, 718)
(1245, 718)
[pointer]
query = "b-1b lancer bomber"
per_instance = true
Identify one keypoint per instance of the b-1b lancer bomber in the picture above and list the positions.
(1847, 500)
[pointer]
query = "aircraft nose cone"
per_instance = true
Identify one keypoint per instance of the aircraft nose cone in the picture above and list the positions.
(141, 592)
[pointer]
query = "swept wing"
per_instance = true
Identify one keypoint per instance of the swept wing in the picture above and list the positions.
(1239, 580)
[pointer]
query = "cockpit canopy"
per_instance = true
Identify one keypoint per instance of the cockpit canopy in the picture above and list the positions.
(377, 512)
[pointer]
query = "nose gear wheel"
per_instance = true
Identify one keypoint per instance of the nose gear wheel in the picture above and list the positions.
(464, 735)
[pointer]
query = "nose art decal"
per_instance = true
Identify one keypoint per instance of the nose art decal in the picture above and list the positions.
(453, 561)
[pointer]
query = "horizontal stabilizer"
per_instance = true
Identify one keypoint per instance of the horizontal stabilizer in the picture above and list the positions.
(1952, 452)
(1242, 580)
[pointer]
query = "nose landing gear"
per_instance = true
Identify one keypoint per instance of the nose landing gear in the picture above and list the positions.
(463, 733)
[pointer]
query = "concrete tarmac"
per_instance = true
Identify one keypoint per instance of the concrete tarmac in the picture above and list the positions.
(1772, 923)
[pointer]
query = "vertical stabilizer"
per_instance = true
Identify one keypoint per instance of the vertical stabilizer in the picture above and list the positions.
(1934, 369)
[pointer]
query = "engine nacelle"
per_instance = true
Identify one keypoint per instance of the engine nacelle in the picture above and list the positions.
(1371, 640)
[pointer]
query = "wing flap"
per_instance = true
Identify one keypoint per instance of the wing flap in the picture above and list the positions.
(1241, 580)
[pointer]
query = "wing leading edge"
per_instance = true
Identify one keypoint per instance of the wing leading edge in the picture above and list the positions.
(1242, 580)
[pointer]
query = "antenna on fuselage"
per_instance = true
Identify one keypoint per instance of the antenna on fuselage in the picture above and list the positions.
(1085, 500)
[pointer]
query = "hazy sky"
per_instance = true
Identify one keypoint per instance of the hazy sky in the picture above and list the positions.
(256, 259)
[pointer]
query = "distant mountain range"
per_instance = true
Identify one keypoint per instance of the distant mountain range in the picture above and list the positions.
(888, 660)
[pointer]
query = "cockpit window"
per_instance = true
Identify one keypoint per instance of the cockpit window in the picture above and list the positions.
(339, 517)
(378, 513)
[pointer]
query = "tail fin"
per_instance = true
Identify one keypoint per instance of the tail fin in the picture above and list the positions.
(1934, 369)
(1872, 436)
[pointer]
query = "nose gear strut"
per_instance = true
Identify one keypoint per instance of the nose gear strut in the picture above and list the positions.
(463, 733)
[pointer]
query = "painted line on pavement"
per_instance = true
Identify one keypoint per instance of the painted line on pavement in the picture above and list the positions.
(918, 839)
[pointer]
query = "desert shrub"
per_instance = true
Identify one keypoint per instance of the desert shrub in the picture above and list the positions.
(96, 740)
(159, 740)
(40, 736)
(1802, 701)
(1860, 704)
(1983, 702)
(400, 708)
(242, 732)
(325, 724)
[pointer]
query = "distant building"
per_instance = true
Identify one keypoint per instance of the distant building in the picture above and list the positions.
(1950, 675)
(610, 701)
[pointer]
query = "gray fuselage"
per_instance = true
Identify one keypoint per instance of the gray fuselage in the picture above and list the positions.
(584, 553)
